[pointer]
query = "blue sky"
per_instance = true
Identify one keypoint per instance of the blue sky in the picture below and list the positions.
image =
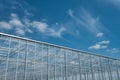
(88, 25)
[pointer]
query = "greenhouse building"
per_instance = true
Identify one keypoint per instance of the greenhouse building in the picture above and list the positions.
(26, 59)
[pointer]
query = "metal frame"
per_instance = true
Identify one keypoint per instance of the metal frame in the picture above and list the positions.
(26, 59)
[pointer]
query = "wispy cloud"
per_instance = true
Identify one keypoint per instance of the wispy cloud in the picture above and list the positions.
(99, 34)
(20, 6)
(20, 31)
(100, 45)
(41, 26)
(57, 33)
(104, 42)
(92, 24)
(114, 50)
(70, 12)
(97, 46)
(115, 3)
(88, 21)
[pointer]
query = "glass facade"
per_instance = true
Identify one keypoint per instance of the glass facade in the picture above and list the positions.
(25, 59)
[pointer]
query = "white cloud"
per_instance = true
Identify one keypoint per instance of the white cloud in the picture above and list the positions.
(13, 15)
(57, 33)
(16, 23)
(99, 34)
(96, 46)
(29, 30)
(20, 31)
(100, 45)
(25, 25)
(26, 22)
(104, 42)
(41, 26)
(104, 46)
(70, 12)
(5, 25)
(27, 13)
(44, 28)
(114, 50)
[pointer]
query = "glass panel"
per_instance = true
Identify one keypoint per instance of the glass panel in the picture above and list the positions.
(22, 59)
(4, 42)
(11, 70)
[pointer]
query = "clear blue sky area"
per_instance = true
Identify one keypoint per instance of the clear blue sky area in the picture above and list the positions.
(89, 25)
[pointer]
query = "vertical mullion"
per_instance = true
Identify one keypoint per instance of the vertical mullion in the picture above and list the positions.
(47, 64)
(91, 65)
(109, 70)
(72, 73)
(25, 65)
(85, 73)
(80, 66)
(61, 71)
(7, 59)
(34, 62)
(65, 64)
(62, 62)
(105, 70)
(101, 68)
(55, 65)
(99, 73)
(41, 62)
(17, 59)
(117, 70)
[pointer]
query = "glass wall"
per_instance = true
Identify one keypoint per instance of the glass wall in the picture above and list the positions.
(24, 59)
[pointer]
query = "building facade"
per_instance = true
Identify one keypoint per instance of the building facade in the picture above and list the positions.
(25, 59)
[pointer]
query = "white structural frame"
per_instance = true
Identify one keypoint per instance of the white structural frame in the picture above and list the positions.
(27, 59)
